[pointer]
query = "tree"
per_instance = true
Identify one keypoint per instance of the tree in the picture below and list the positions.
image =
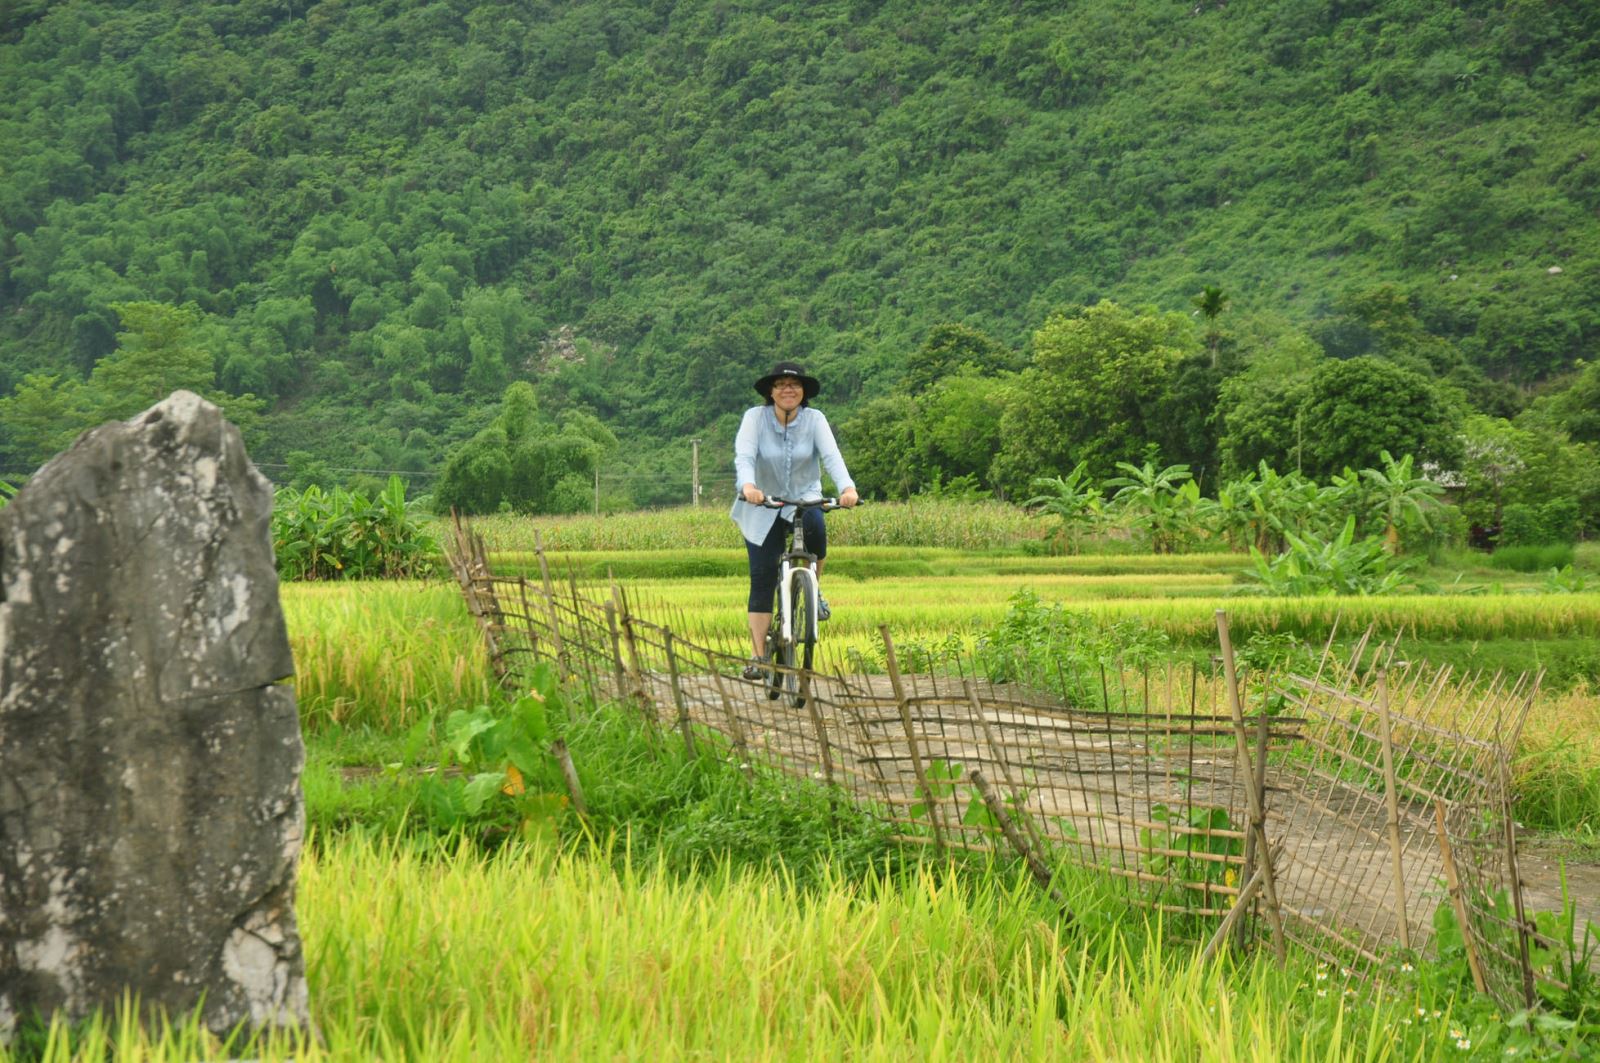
(955, 427)
(1092, 394)
(1262, 422)
(877, 443)
(951, 349)
(156, 355)
(41, 417)
(1356, 409)
(1337, 415)
(523, 462)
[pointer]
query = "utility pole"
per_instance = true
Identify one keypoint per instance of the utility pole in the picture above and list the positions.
(695, 490)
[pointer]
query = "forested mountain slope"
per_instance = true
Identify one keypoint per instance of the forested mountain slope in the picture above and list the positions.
(387, 211)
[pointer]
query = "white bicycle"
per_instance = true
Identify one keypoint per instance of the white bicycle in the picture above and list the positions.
(792, 636)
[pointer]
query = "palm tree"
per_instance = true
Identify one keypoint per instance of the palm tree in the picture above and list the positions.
(1211, 302)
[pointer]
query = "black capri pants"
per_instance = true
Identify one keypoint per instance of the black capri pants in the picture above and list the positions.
(766, 558)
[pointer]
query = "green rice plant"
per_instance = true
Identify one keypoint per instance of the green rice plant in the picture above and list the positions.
(382, 655)
(447, 953)
(1556, 774)
(938, 523)
(902, 563)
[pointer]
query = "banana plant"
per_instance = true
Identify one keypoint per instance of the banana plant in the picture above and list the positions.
(1165, 502)
(1341, 565)
(1401, 498)
(1074, 499)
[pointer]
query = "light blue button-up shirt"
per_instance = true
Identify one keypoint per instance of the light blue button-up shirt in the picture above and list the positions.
(785, 460)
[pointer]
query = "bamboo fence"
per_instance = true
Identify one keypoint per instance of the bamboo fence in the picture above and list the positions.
(1335, 811)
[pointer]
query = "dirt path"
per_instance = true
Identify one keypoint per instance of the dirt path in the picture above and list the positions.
(1103, 788)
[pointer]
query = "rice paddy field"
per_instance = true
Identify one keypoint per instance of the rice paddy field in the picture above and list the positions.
(531, 953)
(705, 916)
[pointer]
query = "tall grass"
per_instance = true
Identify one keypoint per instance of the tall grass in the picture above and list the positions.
(460, 956)
(382, 655)
(1557, 771)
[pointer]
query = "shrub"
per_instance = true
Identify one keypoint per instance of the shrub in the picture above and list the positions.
(1555, 521)
(339, 534)
(1532, 558)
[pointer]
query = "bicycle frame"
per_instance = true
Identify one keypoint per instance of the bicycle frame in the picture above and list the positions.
(791, 651)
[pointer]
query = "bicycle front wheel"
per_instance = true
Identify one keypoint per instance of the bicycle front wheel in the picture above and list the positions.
(800, 651)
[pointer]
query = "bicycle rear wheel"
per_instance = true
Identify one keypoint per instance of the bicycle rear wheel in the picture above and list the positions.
(776, 652)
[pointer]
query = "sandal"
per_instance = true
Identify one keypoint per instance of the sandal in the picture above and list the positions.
(757, 668)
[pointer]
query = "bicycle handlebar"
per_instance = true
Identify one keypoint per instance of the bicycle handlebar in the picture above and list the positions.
(824, 504)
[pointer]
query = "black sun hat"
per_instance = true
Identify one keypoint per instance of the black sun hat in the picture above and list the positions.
(807, 383)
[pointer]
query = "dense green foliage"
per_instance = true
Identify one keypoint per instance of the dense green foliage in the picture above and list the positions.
(339, 534)
(375, 216)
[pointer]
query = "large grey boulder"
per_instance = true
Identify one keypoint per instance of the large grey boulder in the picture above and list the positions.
(150, 805)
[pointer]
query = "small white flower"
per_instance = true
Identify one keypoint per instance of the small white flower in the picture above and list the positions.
(1464, 1043)
(1457, 1034)
(1422, 1012)
(1322, 976)
(1511, 1050)
(1407, 968)
(1322, 992)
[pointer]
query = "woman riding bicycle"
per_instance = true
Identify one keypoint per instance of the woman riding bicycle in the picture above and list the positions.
(780, 451)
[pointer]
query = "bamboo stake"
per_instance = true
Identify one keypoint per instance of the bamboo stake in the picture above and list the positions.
(1242, 751)
(868, 756)
(911, 736)
(1036, 866)
(1240, 904)
(735, 731)
(1391, 798)
(677, 693)
(1457, 900)
(1260, 783)
(822, 733)
(1529, 996)
(1000, 759)
(569, 773)
(641, 697)
(550, 600)
(621, 691)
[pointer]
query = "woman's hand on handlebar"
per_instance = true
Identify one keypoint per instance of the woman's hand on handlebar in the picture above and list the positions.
(752, 494)
(849, 498)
